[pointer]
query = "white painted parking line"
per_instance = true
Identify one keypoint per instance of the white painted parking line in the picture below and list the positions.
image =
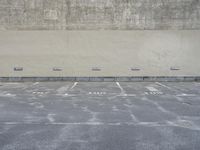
(178, 95)
(185, 95)
(120, 87)
(152, 89)
(97, 93)
(6, 94)
(177, 123)
(153, 93)
(123, 92)
(50, 117)
(36, 83)
(163, 85)
(64, 90)
(74, 85)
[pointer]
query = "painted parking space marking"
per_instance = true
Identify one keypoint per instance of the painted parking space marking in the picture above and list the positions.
(97, 93)
(185, 95)
(74, 85)
(121, 88)
(163, 85)
(152, 91)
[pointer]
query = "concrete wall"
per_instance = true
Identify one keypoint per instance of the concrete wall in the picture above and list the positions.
(99, 14)
(99, 53)
(173, 52)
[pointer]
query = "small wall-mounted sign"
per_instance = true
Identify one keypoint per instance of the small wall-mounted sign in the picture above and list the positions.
(18, 69)
(135, 69)
(175, 68)
(96, 69)
(57, 69)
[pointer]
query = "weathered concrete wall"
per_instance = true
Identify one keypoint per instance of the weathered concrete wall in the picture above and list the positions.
(99, 14)
(99, 53)
(109, 53)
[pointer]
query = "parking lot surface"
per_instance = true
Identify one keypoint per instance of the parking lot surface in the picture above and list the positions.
(100, 116)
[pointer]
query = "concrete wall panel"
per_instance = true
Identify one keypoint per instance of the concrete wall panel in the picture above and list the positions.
(99, 53)
(99, 14)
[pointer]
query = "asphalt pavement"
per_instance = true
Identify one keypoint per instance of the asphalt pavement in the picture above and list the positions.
(100, 116)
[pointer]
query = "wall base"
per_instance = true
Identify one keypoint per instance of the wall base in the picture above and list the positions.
(103, 79)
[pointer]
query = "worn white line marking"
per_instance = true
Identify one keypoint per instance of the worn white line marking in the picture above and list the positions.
(63, 89)
(134, 117)
(37, 105)
(123, 93)
(5, 94)
(120, 87)
(50, 118)
(152, 89)
(158, 106)
(35, 83)
(74, 85)
(179, 95)
(148, 124)
(97, 93)
(185, 95)
(163, 85)
(130, 95)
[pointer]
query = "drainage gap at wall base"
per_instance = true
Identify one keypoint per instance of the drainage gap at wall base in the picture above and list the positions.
(104, 79)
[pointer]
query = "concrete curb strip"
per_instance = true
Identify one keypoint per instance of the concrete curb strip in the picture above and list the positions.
(103, 79)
